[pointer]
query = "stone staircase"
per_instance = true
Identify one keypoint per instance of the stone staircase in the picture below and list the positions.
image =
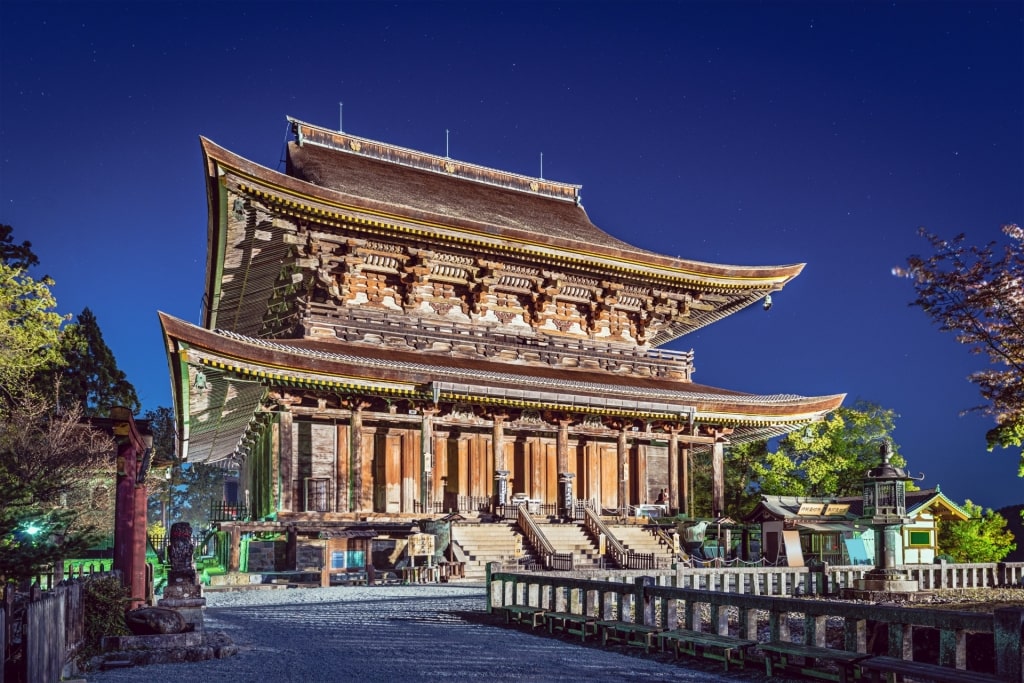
(640, 540)
(572, 538)
(481, 543)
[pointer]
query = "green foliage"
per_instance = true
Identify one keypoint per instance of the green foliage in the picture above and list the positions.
(46, 462)
(741, 494)
(104, 601)
(978, 294)
(982, 538)
(827, 458)
(29, 328)
(90, 376)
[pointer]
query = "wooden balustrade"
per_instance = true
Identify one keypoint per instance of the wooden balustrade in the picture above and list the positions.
(627, 559)
(540, 543)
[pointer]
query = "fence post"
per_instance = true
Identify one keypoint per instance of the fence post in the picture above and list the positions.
(490, 570)
(1007, 633)
(643, 602)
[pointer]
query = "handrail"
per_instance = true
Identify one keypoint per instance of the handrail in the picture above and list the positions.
(677, 553)
(536, 538)
(593, 523)
(627, 559)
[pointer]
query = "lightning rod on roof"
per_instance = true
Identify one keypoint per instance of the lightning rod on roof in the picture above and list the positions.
(446, 144)
(341, 119)
(542, 165)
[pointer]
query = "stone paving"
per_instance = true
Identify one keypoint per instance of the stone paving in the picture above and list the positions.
(397, 633)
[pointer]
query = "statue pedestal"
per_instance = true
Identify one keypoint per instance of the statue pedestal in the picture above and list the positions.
(184, 597)
(883, 584)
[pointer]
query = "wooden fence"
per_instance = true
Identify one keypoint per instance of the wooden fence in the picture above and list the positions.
(43, 630)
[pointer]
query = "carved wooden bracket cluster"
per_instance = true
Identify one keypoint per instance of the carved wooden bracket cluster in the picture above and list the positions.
(473, 289)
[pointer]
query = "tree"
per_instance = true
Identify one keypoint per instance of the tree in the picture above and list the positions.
(827, 458)
(195, 488)
(163, 472)
(978, 294)
(29, 328)
(18, 256)
(48, 461)
(982, 538)
(741, 493)
(90, 375)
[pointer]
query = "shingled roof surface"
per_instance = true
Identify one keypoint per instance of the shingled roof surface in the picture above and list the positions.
(449, 197)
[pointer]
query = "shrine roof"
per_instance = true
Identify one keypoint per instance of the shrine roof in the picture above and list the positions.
(254, 363)
(923, 500)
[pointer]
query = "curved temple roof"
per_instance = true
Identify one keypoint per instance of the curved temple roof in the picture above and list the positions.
(339, 178)
(220, 380)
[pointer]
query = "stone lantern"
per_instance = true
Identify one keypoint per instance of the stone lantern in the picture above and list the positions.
(885, 511)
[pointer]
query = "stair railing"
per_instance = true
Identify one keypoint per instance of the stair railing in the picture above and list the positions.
(626, 559)
(540, 543)
(664, 537)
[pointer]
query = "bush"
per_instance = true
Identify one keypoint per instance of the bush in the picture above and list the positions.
(103, 601)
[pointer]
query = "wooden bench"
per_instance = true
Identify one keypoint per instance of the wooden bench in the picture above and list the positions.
(725, 649)
(520, 613)
(777, 655)
(627, 633)
(890, 666)
(580, 624)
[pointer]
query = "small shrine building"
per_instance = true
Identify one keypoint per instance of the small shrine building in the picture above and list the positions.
(800, 529)
(391, 334)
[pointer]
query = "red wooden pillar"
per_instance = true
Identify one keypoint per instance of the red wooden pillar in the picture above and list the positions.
(130, 506)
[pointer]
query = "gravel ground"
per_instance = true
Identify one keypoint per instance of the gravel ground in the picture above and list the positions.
(399, 633)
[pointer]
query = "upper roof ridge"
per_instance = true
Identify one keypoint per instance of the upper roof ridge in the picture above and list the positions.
(307, 133)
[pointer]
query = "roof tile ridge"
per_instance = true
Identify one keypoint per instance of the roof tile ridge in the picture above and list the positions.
(348, 143)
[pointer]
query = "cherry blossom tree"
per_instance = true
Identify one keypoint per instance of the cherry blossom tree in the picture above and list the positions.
(978, 294)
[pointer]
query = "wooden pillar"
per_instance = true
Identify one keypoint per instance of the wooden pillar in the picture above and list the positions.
(672, 495)
(356, 458)
(235, 551)
(498, 458)
(565, 494)
(687, 483)
(427, 459)
(141, 592)
(291, 553)
(124, 506)
(622, 454)
(717, 479)
(287, 458)
(341, 461)
(129, 507)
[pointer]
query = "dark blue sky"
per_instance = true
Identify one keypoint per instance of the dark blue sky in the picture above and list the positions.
(768, 133)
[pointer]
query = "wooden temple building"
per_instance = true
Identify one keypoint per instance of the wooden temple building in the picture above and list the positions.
(391, 334)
